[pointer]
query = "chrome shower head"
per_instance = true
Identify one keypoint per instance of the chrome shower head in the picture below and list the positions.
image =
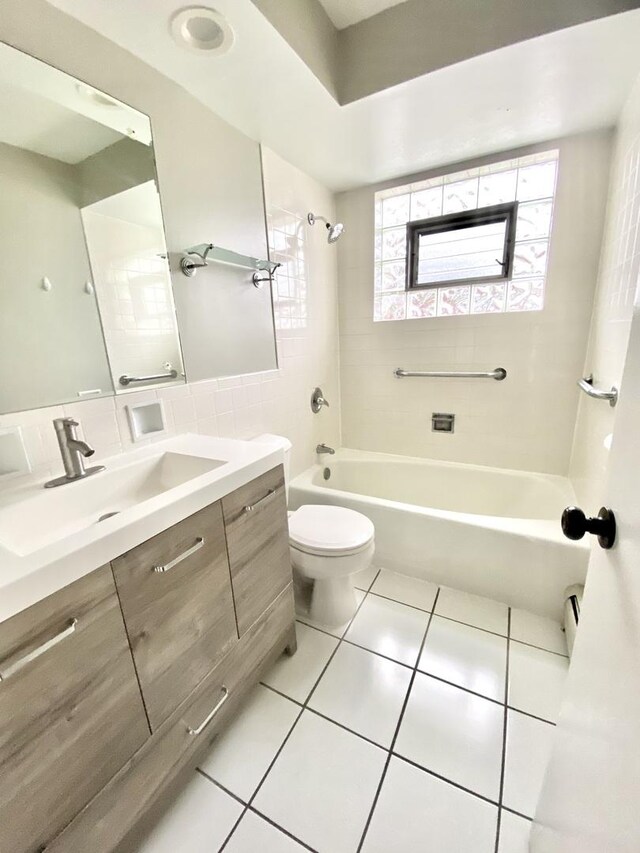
(334, 231)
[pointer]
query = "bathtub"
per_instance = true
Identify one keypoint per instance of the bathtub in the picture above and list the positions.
(488, 531)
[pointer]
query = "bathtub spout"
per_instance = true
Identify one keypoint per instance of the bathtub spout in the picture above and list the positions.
(323, 448)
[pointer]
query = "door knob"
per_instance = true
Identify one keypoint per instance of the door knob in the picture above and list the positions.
(575, 524)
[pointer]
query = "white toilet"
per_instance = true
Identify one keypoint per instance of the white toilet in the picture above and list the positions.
(329, 545)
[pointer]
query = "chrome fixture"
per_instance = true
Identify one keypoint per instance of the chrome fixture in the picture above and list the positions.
(324, 448)
(586, 385)
(207, 253)
(335, 231)
(125, 379)
(442, 422)
(73, 450)
(10, 666)
(318, 400)
(499, 373)
(260, 502)
(166, 567)
(224, 695)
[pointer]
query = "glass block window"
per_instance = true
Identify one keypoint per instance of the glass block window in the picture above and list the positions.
(530, 181)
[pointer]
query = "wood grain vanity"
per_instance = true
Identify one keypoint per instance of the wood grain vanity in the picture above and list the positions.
(112, 688)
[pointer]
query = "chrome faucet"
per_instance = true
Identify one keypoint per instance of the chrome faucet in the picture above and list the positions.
(73, 451)
(323, 448)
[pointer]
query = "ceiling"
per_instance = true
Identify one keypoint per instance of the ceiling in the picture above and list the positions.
(344, 14)
(565, 82)
(36, 124)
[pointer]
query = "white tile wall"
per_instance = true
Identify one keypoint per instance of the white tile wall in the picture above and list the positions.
(242, 406)
(525, 422)
(134, 294)
(611, 320)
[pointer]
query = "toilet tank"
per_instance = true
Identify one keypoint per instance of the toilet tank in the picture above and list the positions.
(283, 444)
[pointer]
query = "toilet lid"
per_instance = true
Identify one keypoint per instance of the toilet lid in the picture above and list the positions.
(331, 530)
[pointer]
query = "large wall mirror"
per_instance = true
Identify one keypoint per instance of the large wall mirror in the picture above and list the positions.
(86, 305)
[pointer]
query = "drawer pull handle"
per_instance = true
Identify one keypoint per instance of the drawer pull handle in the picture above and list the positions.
(211, 714)
(11, 668)
(196, 547)
(264, 499)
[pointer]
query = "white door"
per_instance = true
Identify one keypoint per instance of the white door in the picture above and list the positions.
(590, 801)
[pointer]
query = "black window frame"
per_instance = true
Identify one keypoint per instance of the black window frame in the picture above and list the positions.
(506, 212)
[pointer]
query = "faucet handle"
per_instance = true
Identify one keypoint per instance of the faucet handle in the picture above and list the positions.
(318, 400)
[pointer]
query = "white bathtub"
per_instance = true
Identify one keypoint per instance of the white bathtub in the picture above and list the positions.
(488, 531)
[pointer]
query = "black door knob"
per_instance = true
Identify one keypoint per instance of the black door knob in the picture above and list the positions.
(575, 524)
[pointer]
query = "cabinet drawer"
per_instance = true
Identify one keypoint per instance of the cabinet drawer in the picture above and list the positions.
(255, 518)
(176, 598)
(71, 713)
(130, 799)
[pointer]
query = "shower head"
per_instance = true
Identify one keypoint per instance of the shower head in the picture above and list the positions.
(334, 231)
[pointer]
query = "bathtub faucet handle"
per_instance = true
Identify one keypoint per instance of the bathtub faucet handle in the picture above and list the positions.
(324, 448)
(318, 400)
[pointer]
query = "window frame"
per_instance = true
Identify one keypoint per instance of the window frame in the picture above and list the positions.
(506, 212)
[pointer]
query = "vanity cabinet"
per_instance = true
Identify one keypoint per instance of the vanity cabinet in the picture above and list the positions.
(113, 688)
(175, 593)
(258, 544)
(70, 709)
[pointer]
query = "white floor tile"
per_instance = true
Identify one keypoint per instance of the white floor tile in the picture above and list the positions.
(417, 812)
(466, 656)
(322, 785)
(331, 629)
(364, 579)
(528, 750)
(405, 589)
(241, 755)
(514, 833)
(538, 631)
(364, 692)
(453, 733)
(536, 680)
(473, 610)
(198, 821)
(255, 834)
(295, 676)
(392, 629)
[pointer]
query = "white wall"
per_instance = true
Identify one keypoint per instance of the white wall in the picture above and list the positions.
(613, 307)
(525, 422)
(199, 158)
(134, 294)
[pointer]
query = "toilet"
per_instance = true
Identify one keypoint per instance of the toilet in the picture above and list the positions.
(328, 545)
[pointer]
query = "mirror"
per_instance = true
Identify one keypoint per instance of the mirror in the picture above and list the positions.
(86, 305)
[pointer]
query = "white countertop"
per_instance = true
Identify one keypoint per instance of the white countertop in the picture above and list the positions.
(26, 578)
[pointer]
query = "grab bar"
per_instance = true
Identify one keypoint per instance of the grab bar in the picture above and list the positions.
(586, 384)
(499, 374)
(125, 379)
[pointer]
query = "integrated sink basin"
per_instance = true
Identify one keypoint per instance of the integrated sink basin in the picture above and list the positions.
(49, 516)
(51, 537)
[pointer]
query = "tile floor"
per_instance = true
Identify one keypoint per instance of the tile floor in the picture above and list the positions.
(423, 724)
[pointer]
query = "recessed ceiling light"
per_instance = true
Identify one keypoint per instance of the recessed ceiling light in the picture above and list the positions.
(202, 30)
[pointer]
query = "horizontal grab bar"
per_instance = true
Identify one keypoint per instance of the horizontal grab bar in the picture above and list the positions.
(125, 379)
(586, 384)
(499, 373)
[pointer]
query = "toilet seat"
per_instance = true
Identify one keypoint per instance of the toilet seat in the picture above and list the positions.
(329, 531)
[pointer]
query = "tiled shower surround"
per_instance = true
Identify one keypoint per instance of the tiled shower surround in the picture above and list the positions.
(613, 307)
(525, 422)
